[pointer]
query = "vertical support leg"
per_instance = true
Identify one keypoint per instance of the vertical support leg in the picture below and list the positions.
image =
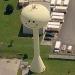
(37, 65)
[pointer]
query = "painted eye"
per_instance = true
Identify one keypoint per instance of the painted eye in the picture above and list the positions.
(33, 21)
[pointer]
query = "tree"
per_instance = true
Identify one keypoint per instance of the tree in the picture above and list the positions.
(9, 9)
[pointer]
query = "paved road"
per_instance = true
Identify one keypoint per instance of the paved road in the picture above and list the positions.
(62, 57)
(67, 34)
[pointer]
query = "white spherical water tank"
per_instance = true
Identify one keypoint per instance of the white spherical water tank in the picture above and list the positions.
(35, 16)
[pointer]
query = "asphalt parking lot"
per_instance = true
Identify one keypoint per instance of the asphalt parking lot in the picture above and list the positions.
(67, 33)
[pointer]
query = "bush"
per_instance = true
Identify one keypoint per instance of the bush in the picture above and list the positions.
(5, 0)
(25, 56)
(9, 9)
(11, 43)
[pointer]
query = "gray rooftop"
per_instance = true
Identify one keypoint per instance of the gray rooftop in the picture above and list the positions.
(67, 34)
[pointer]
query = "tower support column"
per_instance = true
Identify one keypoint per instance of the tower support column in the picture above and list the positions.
(37, 64)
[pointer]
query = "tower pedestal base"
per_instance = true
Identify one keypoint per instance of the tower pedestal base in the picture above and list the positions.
(37, 65)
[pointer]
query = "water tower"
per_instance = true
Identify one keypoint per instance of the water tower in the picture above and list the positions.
(35, 16)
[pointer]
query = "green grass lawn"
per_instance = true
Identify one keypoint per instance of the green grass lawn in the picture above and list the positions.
(9, 30)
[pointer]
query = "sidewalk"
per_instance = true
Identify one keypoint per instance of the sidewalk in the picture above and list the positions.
(68, 57)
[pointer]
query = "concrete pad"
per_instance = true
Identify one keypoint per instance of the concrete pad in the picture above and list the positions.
(9, 66)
